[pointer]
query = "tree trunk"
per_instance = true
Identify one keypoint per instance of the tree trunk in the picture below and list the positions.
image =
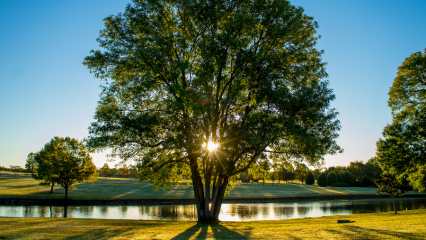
(218, 197)
(210, 214)
(66, 201)
(197, 186)
(65, 210)
(208, 209)
(66, 193)
(394, 206)
(51, 187)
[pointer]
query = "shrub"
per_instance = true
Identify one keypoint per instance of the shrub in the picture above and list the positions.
(310, 179)
(332, 178)
(322, 179)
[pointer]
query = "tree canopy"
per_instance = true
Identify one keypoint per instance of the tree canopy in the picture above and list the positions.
(244, 75)
(402, 150)
(40, 170)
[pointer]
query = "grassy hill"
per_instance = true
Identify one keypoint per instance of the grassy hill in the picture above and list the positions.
(22, 186)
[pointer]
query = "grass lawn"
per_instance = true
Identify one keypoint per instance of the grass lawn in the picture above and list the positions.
(22, 186)
(406, 225)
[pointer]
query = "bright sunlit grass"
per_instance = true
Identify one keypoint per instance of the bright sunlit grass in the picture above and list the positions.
(406, 225)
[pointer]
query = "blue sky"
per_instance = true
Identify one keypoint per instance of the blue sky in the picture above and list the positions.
(45, 90)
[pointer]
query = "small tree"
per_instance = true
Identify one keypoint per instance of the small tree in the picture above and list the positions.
(287, 174)
(123, 171)
(66, 160)
(301, 172)
(260, 171)
(244, 177)
(284, 171)
(40, 169)
(30, 164)
(105, 171)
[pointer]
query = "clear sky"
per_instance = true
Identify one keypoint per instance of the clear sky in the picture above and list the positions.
(45, 90)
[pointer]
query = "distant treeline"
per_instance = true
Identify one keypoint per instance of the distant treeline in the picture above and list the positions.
(18, 169)
(357, 174)
(122, 171)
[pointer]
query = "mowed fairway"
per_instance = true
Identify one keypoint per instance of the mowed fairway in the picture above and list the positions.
(406, 225)
(13, 186)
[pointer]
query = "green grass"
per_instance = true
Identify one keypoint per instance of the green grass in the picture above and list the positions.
(21, 186)
(406, 225)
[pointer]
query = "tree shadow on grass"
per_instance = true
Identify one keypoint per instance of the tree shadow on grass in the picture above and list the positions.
(218, 231)
(98, 234)
(356, 232)
(62, 229)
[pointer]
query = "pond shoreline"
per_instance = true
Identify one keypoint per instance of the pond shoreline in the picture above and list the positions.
(153, 201)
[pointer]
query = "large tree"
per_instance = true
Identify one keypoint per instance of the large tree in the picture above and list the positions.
(65, 161)
(402, 150)
(213, 87)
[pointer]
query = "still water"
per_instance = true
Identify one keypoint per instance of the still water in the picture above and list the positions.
(229, 211)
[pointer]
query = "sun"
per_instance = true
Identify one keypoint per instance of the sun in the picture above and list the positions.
(212, 146)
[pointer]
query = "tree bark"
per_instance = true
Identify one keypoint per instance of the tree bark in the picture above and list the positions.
(218, 198)
(394, 206)
(66, 193)
(66, 201)
(51, 187)
(208, 204)
(197, 186)
(65, 210)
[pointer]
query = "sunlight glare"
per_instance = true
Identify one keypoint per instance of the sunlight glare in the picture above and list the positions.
(212, 146)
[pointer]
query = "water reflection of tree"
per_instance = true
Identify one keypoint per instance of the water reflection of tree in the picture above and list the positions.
(365, 206)
(284, 211)
(104, 210)
(43, 211)
(241, 211)
(123, 210)
(372, 205)
(29, 211)
(245, 211)
(265, 210)
(177, 212)
(84, 210)
(56, 211)
(303, 210)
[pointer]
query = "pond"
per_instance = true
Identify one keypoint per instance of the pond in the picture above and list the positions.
(229, 211)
